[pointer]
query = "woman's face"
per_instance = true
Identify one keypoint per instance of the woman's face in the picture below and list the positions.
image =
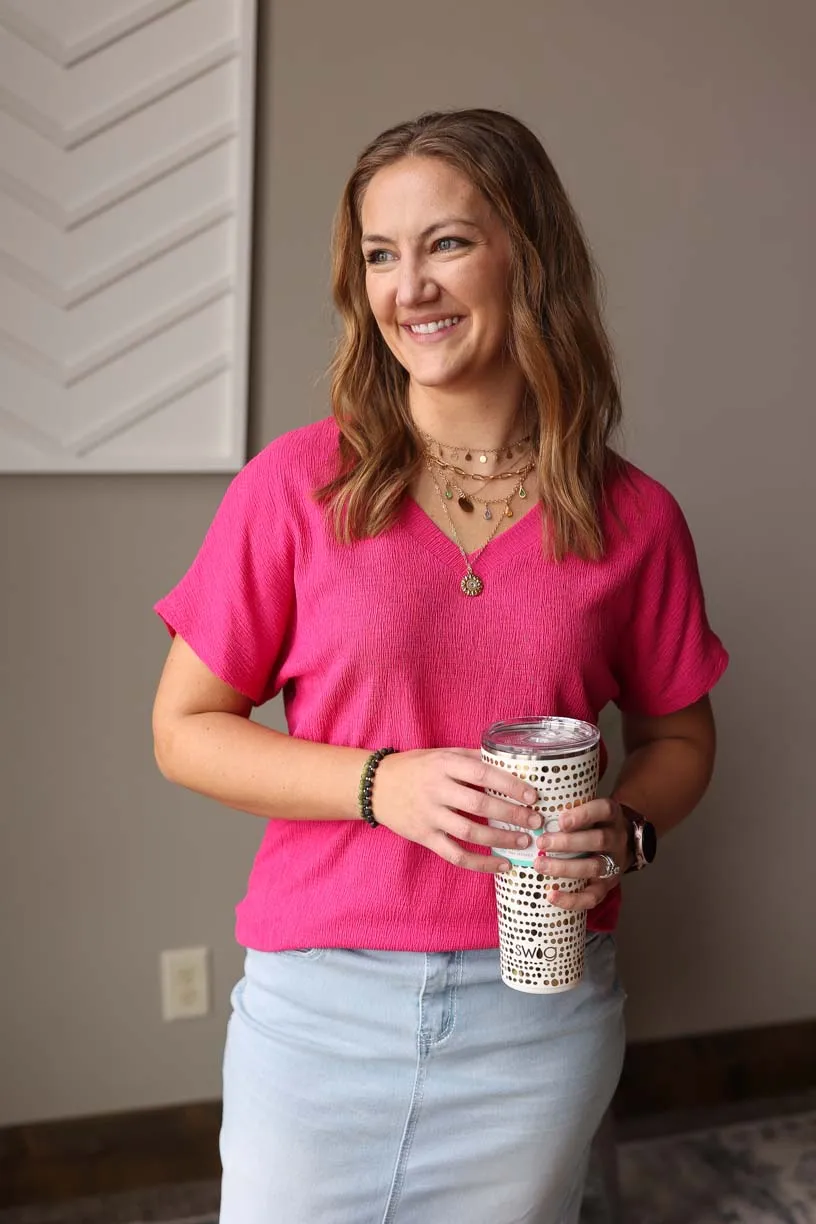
(437, 273)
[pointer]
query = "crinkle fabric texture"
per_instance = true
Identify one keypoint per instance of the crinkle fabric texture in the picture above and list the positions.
(374, 645)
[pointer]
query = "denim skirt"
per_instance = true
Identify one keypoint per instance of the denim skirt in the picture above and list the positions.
(365, 1087)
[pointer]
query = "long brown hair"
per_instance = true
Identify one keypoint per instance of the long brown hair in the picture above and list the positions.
(555, 335)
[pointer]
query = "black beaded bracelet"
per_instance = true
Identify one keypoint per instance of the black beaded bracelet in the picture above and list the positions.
(367, 784)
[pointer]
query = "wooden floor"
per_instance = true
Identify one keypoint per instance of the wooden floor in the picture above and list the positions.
(672, 1081)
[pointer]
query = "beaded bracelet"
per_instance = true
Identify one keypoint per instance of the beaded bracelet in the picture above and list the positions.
(367, 784)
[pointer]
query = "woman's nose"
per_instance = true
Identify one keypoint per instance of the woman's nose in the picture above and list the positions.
(414, 284)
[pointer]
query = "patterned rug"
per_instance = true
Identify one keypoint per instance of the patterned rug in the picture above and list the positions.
(762, 1172)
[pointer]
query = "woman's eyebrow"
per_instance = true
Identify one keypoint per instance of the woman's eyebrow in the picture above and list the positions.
(426, 233)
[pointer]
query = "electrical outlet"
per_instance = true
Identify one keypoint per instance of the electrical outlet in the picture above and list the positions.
(185, 983)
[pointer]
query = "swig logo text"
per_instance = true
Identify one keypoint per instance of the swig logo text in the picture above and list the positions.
(534, 952)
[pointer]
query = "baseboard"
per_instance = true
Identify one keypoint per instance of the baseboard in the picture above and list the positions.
(676, 1078)
(716, 1069)
(47, 1162)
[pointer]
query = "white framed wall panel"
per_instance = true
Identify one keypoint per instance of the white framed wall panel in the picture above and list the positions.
(126, 137)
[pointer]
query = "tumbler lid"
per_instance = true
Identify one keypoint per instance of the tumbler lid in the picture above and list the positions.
(550, 736)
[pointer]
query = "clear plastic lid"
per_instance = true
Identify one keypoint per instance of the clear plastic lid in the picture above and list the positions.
(541, 737)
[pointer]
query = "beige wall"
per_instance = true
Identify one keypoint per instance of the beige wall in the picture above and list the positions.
(681, 132)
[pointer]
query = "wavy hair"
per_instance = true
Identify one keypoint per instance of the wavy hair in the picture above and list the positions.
(555, 336)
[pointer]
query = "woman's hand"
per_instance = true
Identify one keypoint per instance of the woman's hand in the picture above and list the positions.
(596, 828)
(431, 797)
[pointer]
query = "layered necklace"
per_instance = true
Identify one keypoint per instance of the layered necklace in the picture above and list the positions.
(449, 480)
(434, 447)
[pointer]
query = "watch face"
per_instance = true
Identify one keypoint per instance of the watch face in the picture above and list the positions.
(648, 841)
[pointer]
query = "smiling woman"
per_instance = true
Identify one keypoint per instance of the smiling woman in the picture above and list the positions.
(426, 276)
(457, 545)
(462, 219)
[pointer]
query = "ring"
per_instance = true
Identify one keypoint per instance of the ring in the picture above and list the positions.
(612, 868)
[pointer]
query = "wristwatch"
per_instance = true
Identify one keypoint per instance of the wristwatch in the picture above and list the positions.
(642, 839)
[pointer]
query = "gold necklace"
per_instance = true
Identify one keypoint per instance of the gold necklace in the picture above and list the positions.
(484, 477)
(471, 583)
(467, 451)
(467, 500)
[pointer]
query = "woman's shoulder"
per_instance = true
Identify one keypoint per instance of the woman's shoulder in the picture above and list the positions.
(305, 451)
(298, 461)
(639, 504)
(636, 497)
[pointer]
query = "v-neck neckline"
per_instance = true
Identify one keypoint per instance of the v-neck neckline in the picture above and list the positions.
(513, 540)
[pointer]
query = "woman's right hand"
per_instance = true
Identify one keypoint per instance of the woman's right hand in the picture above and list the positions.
(429, 796)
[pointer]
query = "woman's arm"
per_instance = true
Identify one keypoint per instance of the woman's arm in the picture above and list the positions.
(668, 765)
(204, 740)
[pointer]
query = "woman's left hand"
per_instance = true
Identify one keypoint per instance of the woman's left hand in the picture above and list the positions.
(597, 828)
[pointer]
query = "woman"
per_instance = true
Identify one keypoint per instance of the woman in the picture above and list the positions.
(457, 545)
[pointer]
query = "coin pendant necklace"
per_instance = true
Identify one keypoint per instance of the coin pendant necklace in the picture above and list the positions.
(500, 452)
(471, 583)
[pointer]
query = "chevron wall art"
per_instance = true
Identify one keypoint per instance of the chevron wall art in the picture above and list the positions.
(125, 190)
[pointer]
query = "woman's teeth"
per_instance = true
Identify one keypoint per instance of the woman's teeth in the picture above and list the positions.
(425, 329)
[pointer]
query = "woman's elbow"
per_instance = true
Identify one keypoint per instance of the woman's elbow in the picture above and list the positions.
(164, 748)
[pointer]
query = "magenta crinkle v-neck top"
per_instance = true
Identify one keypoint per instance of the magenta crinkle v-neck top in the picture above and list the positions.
(374, 645)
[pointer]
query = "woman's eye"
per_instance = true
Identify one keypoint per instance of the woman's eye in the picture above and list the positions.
(449, 244)
(378, 257)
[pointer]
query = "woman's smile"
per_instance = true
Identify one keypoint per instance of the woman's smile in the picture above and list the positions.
(432, 331)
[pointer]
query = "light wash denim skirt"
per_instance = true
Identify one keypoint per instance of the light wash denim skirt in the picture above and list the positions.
(412, 1088)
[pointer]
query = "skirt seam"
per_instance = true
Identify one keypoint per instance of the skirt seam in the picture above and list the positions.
(398, 1180)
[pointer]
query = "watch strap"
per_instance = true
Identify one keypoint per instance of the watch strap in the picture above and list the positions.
(642, 854)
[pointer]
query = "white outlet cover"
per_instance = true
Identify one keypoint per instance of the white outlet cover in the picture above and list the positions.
(185, 983)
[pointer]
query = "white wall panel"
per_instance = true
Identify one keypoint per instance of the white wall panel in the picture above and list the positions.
(125, 184)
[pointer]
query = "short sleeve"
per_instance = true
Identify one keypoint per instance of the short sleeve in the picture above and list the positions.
(669, 655)
(234, 605)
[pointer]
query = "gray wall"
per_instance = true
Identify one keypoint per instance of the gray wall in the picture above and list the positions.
(681, 133)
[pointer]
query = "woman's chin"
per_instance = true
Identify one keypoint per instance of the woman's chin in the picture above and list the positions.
(437, 377)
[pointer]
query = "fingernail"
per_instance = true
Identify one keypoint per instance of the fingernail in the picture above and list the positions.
(544, 841)
(523, 840)
(503, 867)
(530, 796)
(566, 822)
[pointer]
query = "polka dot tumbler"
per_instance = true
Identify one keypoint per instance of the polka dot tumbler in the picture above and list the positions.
(541, 946)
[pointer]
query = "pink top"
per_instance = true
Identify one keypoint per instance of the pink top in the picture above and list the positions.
(374, 645)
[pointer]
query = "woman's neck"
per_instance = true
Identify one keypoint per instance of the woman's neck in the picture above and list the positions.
(485, 421)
